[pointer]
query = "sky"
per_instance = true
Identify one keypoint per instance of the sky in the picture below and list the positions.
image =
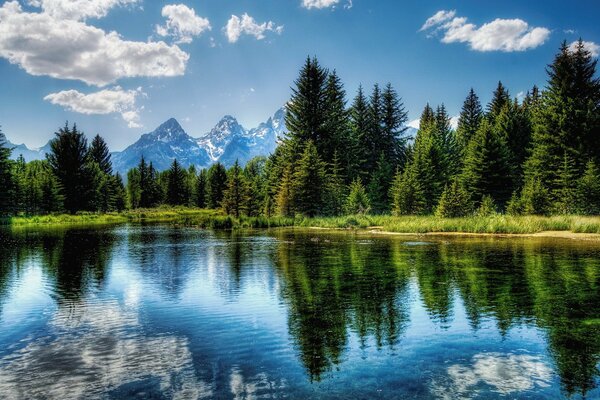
(120, 68)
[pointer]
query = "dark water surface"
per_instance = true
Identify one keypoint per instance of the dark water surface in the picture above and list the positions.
(159, 312)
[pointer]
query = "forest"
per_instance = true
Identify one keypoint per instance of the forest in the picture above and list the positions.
(537, 155)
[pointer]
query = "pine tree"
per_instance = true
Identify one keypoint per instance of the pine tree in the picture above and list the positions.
(133, 188)
(19, 188)
(379, 186)
(448, 145)
(394, 118)
(177, 186)
(535, 198)
(235, 195)
(120, 195)
(100, 154)
(217, 181)
(254, 173)
(455, 202)
(566, 187)
(336, 129)
(469, 120)
(373, 141)
(500, 98)
(309, 182)
(406, 194)
(285, 194)
(588, 190)
(487, 166)
(357, 201)
(306, 112)
(68, 158)
(336, 190)
(514, 125)
(6, 180)
(566, 119)
(201, 189)
(359, 123)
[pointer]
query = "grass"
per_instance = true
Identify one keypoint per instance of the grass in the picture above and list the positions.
(494, 224)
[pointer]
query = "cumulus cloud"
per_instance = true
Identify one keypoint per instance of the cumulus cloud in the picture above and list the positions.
(108, 101)
(319, 3)
(592, 47)
(182, 23)
(42, 44)
(79, 9)
(506, 35)
(246, 25)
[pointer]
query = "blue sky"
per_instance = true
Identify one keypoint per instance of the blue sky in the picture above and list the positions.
(121, 67)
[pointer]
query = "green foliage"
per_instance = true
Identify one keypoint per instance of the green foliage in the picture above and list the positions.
(500, 98)
(201, 189)
(487, 207)
(565, 194)
(235, 196)
(336, 190)
(407, 194)
(379, 186)
(310, 182)
(6, 178)
(285, 194)
(100, 154)
(535, 198)
(469, 120)
(357, 202)
(177, 186)
(217, 181)
(487, 166)
(588, 190)
(455, 202)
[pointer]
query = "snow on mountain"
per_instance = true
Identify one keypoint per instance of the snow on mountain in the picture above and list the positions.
(227, 142)
(27, 153)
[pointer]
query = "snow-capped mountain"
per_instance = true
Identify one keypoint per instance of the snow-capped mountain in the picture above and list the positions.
(227, 142)
(161, 147)
(27, 153)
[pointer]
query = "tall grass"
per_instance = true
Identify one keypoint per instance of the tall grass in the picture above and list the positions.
(496, 224)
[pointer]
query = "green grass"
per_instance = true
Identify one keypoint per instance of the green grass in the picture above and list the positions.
(496, 224)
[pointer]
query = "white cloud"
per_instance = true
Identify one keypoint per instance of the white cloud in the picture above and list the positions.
(499, 35)
(107, 101)
(79, 9)
(438, 18)
(182, 23)
(592, 47)
(68, 49)
(319, 3)
(246, 25)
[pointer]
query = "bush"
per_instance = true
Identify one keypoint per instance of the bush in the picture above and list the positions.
(455, 202)
(535, 198)
(487, 207)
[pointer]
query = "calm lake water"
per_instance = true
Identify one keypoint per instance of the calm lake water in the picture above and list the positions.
(160, 312)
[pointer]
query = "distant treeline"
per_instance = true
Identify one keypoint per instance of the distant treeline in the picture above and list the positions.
(539, 155)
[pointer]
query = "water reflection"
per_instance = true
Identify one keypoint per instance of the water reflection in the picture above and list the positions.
(170, 312)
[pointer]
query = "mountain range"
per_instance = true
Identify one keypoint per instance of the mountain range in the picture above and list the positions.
(227, 142)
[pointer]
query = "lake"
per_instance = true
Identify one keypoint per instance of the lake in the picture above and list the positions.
(162, 312)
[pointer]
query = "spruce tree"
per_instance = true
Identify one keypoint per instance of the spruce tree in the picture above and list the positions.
(379, 186)
(394, 118)
(565, 200)
(100, 154)
(455, 202)
(177, 186)
(235, 196)
(406, 194)
(588, 190)
(336, 129)
(357, 201)
(500, 98)
(373, 141)
(468, 121)
(285, 194)
(19, 188)
(514, 125)
(487, 166)
(446, 139)
(68, 158)
(309, 182)
(254, 174)
(217, 181)
(201, 189)
(359, 123)
(306, 110)
(336, 190)
(535, 198)
(119, 193)
(133, 188)
(6, 180)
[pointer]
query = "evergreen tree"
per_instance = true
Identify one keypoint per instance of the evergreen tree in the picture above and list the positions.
(150, 194)
(67, 158)
(336, 190)
(357, 201)
(133, 188)
(359, 123)
(487, 166)
(535, 198)
(254, 174)
(309, 182)
(500, 98)
(51, 198)
(446, 139)
(19, 182)
(177, 186)
(217, 181)
(566, 187)
(235, 196)
(379, 186)
(468, 121)
(394, 118)
(120, 195)
(201, 189)
(373, 143)
(514, 125)
(455, 202)
(306, 111)
(566, 119)
(100, 154)
(285, 194)
(588, 190)
(6, 181)
(407, 194)
(336, 127)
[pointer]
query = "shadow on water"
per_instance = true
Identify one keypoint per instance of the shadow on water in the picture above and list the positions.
(345, 293)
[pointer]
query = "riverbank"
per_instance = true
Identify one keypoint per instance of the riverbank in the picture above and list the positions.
(555, 226)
